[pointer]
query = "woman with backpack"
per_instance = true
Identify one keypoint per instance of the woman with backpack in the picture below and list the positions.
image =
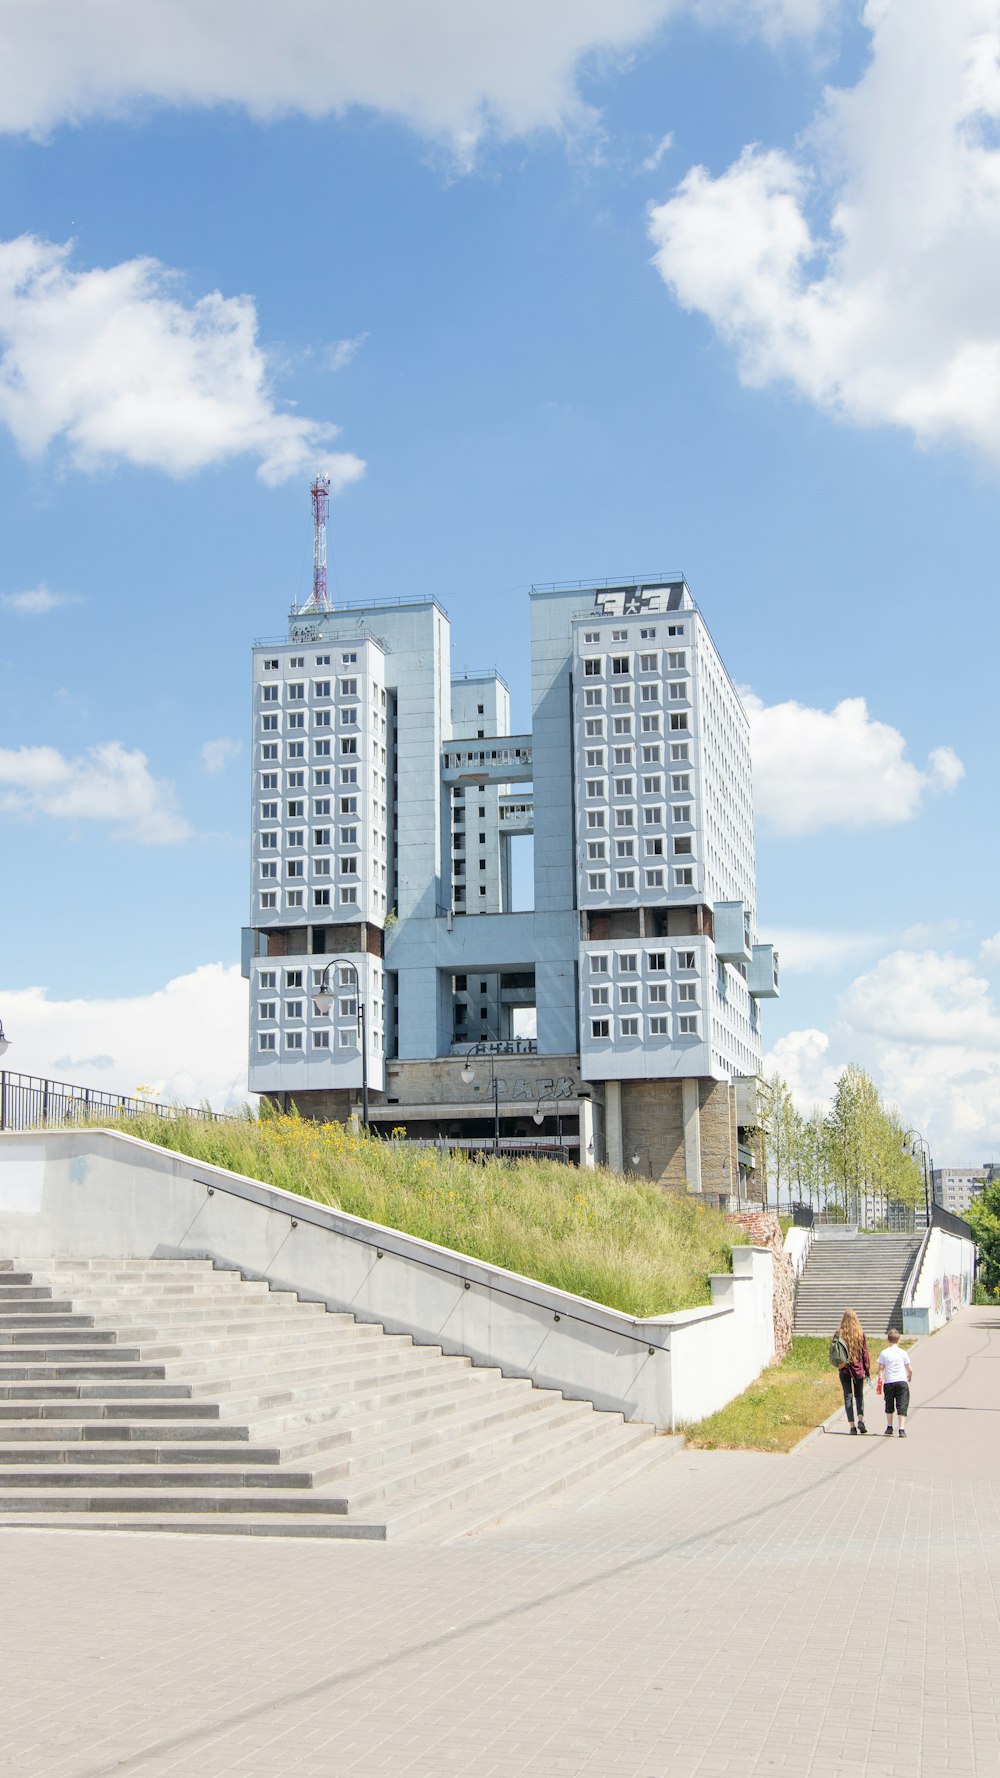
(849, 1352)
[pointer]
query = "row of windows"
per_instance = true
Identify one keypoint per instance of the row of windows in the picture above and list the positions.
(321, 749)
(322, 690)
(628, 962)
(299, 660)
(628, 880)
(657, 1025)
(621, 665)
(295, 978)
(267, 1041)
(349, 896)
(647, 633)
(657, 994)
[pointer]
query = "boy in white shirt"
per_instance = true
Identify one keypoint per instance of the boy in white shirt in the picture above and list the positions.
(894, 1370)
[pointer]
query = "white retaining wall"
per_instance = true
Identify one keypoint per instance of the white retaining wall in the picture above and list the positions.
(90, 1194)
(943, 1284)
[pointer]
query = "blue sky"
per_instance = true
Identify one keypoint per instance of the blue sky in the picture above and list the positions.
(554, 349)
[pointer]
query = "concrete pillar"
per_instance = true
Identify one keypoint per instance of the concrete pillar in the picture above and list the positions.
(692, 1134)
(614, 1133)
(588, 1158)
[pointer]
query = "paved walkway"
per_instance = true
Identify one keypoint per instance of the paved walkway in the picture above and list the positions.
(831, 1614)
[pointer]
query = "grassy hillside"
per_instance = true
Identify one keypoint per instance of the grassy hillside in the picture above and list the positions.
(626, 1244)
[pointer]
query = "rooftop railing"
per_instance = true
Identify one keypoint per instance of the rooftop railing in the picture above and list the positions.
(28, 1102)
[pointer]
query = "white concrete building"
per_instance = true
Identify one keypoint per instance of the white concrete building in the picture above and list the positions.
(387, 796)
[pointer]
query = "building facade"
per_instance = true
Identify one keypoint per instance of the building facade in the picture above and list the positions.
(955, 1187)
(616, 1020)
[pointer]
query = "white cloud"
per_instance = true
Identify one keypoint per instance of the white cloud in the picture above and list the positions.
(989, 950)
(925, 1026)
(186, 1042)
(37, 601)
(114, 366)
(453, 71)
(663, 146)
(865, 267)
(216, 755)
(837, 768)
(108, 783)
(340, 354)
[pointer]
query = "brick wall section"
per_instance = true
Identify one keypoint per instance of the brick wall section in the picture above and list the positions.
(764, 1230)
(653, 1124)
(719, 1137)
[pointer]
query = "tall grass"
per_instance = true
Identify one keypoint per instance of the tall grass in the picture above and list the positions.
(626, 1244)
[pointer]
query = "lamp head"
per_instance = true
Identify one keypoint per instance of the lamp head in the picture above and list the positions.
(323, 1001)
(539, 1115)
(468, 1074)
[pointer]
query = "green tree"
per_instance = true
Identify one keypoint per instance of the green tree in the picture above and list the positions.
(983, 1217)
(778, 1134)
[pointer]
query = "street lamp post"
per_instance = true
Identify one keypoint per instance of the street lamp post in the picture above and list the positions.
(538, 1115)
(323, 1002)
(638, 1150)
(469, 1075)
(911, 1140)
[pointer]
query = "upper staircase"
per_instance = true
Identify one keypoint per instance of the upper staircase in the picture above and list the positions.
(845, 1270)
(167, 1395)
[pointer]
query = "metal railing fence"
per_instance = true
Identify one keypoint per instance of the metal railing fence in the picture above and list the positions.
(28, 1102)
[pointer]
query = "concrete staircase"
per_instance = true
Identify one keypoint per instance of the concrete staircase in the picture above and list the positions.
(166, 1395)
(866, 1273)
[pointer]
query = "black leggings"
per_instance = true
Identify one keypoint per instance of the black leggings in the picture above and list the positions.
(854, 1392)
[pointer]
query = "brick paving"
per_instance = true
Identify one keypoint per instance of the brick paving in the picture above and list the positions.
(832, 1614)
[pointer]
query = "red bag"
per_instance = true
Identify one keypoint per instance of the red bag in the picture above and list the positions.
(878, 1386)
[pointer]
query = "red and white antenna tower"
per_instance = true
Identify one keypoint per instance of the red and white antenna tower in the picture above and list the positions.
(320, 492)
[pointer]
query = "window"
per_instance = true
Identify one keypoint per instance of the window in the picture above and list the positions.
(348, 836)
(268, 1009)
(600, 1027)
(624, 848)
(647, 663)
(619, 663)
(269, 694)
(627, 963)
(622, 725)
(293, 1010)
(295, 867)
(269, 870)
(296, 781)
(271, 666)
(296, 693)
(321, 779)
(686, 990)
(269, 899)
(591, 635)
(293, 979)
(296, 837)
(650, 694)
(321, 719)
(269, 780)
(595, 787)
(678, 750)
(595, 756)
(293, 1040)
(621, 694)
(687, 1025)
(267, 1040)
(593, 727)
(600, 996)
(675, 629)
(269, 842)
(268, 978)
(681, 812)
(626, 879)
(659, 1027)
(657, 960)
(349, 716)
(321, 1040)
(348, 805)
(348, 745)
(647, 635)
(684, 878)
(629, 995)
(619, 635)
(595, 817)
(685, 960)
(593, 697)
(630, 1027)
(623, 756)
(297, 749)
(678, 719)
(597, 882)
(269, 751)
(683, 846)
(651, 756)
(348, 688)
(348, 896)
(322, 807)
(269, 724)
(624, 818)
(677, 660)
(321, 867)
(652, 786)
(654, 848)
(598, 963)
(321, 898)
(650, 725)
(657, 993)
(623, 786)
(296, 810)
(348, 867)
(348, 774)
(680, 781)
(348, 660)
(592, 669)
(269, 811)
(595, 849)
(297, 660)
(679, 691)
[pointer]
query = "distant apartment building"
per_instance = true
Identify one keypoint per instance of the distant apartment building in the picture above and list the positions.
(617, 1020)
(955, 1187)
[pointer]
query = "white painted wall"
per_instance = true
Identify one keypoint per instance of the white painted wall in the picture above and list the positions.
(797, 1243)
(943, 1284)
(72, 1194)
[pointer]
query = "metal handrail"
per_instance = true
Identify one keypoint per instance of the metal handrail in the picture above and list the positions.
(27, 1100)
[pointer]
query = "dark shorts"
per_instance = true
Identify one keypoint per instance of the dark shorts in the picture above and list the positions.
(897, 1398)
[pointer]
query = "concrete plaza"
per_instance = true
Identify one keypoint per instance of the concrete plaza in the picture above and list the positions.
(832, 1614)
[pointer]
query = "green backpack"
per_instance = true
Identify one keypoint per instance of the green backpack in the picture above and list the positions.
(839, 1354)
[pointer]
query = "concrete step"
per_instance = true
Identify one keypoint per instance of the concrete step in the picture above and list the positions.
(91, 1389)
(97, 1412)
(331, 1458)
(110, 1453)
(311, 1340)
(82, 1371)
(418, 1384)
(432, 1399)
(174, 1476)
(228, 1375)
(17, 1433)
